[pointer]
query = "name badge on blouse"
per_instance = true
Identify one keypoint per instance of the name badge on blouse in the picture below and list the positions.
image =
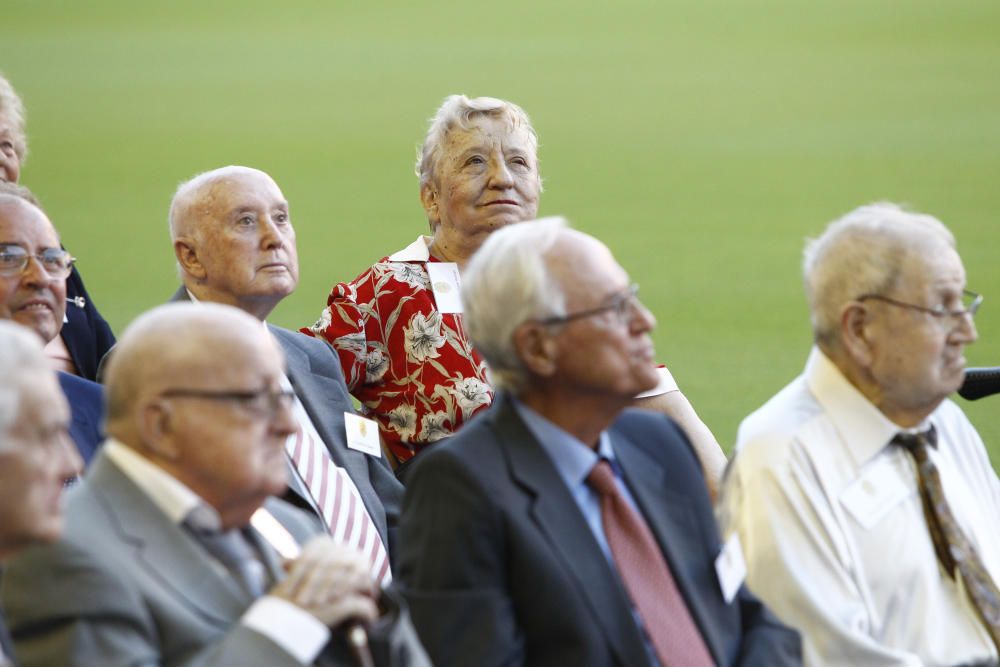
(446, 284)
(731, 567)
(362, 434)
(877, 491)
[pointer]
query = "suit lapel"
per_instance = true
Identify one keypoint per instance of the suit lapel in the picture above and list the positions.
(162, 548)
(317, 392)
(672, 518)
(559, 518)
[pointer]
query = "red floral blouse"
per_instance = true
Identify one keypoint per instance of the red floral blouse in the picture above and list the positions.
(412, 367)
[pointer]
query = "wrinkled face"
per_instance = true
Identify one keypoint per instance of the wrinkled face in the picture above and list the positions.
(31, 298)
(917, 359)
(10, 162)
(486, 178)
(246, 243)
(36, 456)
(231, 452)
(609, 353)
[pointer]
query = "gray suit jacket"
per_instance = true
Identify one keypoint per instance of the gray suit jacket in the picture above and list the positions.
(126, 586)
(315, 373)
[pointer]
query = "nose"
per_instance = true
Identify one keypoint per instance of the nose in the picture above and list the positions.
(34, 273)
(283, 423)
(965, 332)
(271, 236)
(69, 462)
(500, 177)
(642, 320)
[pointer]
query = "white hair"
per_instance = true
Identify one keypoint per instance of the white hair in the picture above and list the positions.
(861, 253)
(460, 111)
(21, 357)
(506, 283)
(12, 108)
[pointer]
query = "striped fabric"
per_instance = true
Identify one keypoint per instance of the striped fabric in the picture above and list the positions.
(336, 496)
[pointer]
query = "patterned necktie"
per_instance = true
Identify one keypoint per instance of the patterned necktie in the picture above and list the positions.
(953, 548)
(336, 496)
(233, 550)
(647, 577)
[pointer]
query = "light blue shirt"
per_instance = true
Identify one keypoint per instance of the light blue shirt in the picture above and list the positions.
(574, 460)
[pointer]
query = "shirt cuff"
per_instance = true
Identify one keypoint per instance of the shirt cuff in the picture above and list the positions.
(666, 384)
(296, 631)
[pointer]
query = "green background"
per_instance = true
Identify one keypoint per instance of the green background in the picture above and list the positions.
(704, 141)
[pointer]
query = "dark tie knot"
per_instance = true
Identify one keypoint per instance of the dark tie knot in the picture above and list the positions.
(916, 443)
(602, 478)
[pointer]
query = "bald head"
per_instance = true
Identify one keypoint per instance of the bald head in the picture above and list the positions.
(196, 390)
(233, 239)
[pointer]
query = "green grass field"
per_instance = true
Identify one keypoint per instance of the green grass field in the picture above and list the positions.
(702, 140)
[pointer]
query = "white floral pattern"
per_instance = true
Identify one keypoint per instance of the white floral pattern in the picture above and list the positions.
(423, 337)
(471, 394)
(432, 426)
(403, 420)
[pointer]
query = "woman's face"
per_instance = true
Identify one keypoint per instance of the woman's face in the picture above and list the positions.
(10, 162)
(486, 178)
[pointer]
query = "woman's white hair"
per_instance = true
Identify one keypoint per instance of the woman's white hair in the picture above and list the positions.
(863, 253)
(12, 108)
(21, 357)
(461, 111)
(505, 284)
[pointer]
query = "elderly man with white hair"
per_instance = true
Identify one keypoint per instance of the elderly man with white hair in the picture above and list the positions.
(864, 498)
(560, 527)
(36, 454)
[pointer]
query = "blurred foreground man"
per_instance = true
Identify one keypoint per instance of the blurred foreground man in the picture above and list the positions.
(864, 499)
(36, 454)
(33, 273)
(559, 528)
(159, 564)
(234, 243)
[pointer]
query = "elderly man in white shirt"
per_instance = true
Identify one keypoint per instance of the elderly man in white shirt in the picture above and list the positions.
(864, 499)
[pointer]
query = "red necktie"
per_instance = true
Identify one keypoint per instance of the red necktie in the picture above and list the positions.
(647, 577)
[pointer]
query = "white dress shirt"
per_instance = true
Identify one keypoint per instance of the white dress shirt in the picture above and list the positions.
(296, 631)
(833, 529)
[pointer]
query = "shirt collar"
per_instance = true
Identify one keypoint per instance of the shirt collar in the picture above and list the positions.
(168, 493)
(418, 251)
(863, 428)
(572, 458)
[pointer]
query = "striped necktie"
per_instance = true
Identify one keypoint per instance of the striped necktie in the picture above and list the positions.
(953, 548)
(336, 496)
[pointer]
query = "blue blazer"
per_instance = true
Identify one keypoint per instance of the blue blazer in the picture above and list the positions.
(86, 403)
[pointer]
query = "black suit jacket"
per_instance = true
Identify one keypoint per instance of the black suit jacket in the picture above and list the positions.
(87, 336)
(500, 567)
(86, 404)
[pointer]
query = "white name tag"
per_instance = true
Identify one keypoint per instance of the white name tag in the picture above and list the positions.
(875, 493)
(447, 285)
(362, 434)
(731, 567)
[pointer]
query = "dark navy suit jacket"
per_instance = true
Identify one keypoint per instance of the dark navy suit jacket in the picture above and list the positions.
(500, 567)
(86, 403)
(86, 335)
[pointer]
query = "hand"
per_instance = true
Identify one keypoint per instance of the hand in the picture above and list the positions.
(332, 582)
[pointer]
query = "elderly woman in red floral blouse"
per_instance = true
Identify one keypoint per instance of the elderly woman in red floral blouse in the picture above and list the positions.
(399, 335)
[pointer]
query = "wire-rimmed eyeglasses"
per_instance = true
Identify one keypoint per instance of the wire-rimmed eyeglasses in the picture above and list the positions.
(56, 262)
(622, 304)
(971, 301)
(264, 402)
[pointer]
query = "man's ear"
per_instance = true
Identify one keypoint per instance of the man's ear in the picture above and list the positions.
(856, 333)
(187, 258)
(156, 429)
(429, 200)
(536, 348)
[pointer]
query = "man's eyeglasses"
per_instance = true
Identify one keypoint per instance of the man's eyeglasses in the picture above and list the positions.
(56, 262)
(263, 402)
(971, 301)
(622, 304)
